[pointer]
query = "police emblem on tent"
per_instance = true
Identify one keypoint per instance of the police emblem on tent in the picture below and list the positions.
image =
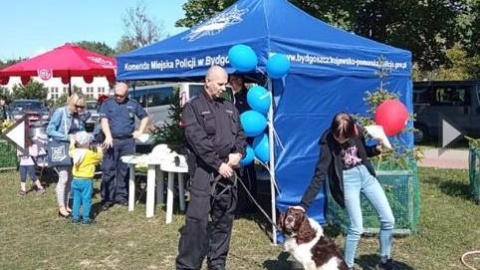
(216, 24)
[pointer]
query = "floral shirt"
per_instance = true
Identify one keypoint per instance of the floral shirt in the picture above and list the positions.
(350, 157)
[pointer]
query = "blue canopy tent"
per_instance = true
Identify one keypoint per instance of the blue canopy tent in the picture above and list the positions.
(330, 71)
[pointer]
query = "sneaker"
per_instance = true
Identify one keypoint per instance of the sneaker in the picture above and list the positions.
(385, 264)
(22, 193)
(88, 222)
(41, 191)
(75, 221)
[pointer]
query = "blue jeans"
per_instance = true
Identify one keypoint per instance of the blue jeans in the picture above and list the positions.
(82, 189)
(356, 180)
(27, 170)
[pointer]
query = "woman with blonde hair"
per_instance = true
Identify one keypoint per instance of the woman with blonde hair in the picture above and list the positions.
(65, 122)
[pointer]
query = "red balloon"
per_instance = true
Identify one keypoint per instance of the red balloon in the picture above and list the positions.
(392, 115)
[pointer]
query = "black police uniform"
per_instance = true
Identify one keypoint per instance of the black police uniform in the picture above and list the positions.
(121, 120)
(213, 131)
(247, 173)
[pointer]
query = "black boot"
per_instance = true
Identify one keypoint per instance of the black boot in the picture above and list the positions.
(385, 263)
(216, 267)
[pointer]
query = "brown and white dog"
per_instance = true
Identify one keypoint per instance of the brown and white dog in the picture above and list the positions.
(307, 243)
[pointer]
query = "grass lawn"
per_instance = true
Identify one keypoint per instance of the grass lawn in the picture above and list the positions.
(32, 237)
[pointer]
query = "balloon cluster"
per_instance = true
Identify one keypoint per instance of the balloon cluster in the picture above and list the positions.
(254, 121)
(243, 58)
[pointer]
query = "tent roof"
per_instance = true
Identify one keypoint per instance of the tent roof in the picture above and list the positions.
(65, 61)
(268, 26)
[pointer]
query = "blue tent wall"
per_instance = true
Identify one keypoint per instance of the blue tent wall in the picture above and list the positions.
(305, 107)
(330, 71)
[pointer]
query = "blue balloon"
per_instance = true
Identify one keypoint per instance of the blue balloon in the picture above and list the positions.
(249, 156)
(277, 66)
(242, 58)
(261, 148)
(259, 99)
(253, 123)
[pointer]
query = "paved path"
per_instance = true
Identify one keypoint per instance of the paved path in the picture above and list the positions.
(452, 158)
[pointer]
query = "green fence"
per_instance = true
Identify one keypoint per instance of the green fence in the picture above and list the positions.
(8, 156)
(402, 190)
(474, 171)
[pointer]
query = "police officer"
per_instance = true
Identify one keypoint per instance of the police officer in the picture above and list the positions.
(214, 135)
(247, 173)
(118, 124)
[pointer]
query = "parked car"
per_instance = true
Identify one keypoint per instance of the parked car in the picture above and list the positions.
(458, 102)
(156, 99)
(92, 108)
(34, 109)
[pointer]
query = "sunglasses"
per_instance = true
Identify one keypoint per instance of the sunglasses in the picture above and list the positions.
(120, 96)
(79, 107)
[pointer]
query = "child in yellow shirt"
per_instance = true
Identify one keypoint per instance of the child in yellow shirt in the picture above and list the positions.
(85, 159)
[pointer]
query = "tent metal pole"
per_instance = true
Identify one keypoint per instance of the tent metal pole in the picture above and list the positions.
(69, 84)
(271, 142)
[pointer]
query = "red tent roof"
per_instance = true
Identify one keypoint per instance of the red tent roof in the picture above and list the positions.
(66, 61)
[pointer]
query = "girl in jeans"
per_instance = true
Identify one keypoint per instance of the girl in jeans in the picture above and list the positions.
(27, 166)
(344, 162)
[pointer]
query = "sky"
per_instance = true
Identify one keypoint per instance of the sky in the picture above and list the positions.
(31, 27)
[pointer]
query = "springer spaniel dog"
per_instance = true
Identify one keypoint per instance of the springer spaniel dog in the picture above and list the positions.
(307, 243)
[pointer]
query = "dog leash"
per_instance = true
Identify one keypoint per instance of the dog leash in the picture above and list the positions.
(235, 179)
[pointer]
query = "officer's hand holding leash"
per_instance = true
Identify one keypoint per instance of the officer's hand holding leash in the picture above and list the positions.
(225, 170)
(234, 159)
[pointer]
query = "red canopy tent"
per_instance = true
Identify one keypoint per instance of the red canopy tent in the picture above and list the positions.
(65, 62)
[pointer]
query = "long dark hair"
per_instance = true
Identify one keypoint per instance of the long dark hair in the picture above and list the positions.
(28, 139)
(343, 125)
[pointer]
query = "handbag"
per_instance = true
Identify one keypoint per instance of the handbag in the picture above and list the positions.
(57, 152)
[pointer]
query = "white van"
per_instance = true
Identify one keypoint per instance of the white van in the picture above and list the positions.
(156, 98)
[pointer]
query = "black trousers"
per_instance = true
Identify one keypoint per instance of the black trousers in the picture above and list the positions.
(114, 187)
(197, 237)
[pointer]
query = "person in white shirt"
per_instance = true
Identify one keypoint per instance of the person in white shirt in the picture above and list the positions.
(27, 166)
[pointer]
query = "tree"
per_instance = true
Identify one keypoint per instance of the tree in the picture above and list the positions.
(98, 47)
(10, 62)
(5, 94)
(33, 90)
(432, 25)
(172, 133)
(470, 26)
(460, 66)
(197, 11)
(140, 29)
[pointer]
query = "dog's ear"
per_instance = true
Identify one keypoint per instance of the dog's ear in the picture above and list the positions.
(280, 221)
(305, 231)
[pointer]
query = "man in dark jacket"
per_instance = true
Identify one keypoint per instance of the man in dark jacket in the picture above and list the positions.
(214, 135)
(247, 173)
